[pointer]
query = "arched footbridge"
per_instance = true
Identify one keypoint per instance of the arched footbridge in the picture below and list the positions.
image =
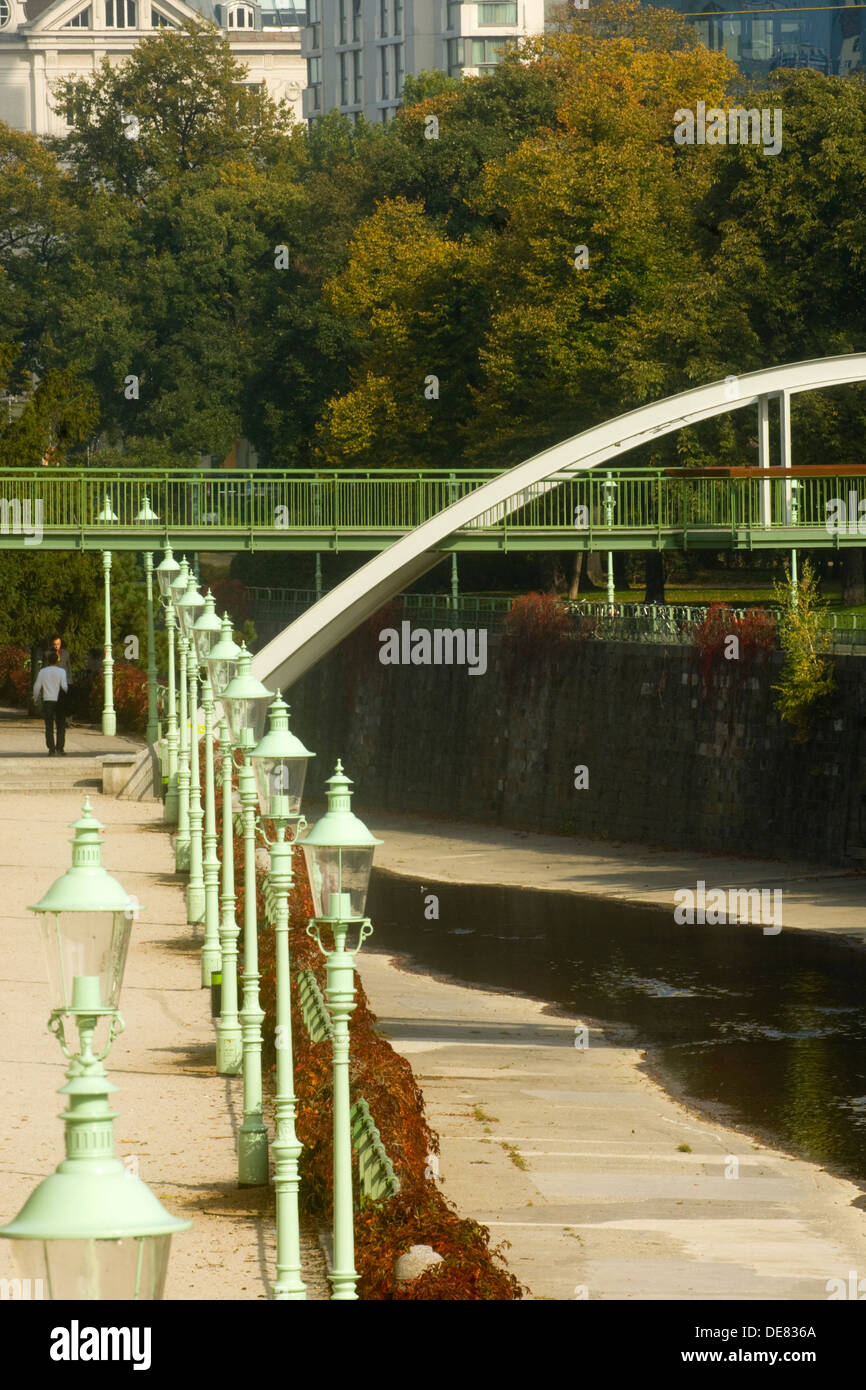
(776, 505)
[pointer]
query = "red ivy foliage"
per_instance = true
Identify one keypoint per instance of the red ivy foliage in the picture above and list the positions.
(15, 678)
(419, 1214)
(130, 696)
(755, 633)
(537, 626)
(232, 596)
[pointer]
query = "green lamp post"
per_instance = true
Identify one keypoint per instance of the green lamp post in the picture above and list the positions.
(166, 572)
(109, 717)
(189, 606)
(609, 489)
(146, 516)
(221, 664)
(280, 762)
(245, 701)
(182, 838)
(91, 1230)
(339, 857)
(206, 631)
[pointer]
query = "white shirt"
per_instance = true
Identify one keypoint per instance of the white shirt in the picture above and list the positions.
(49, 683)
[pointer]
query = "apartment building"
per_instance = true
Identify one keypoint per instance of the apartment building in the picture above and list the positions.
(359, 51)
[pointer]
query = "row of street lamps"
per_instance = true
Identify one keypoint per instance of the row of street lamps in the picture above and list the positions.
(90, 1230)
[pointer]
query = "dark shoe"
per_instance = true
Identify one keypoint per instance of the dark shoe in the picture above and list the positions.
(51, 752)
(62, 752)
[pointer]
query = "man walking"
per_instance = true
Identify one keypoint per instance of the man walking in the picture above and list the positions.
(52, 685)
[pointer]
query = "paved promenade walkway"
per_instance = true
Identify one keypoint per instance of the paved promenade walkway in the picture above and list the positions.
(575, 1155)
(176, 1116)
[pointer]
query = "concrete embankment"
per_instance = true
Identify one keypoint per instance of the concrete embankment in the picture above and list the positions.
(585, 1166)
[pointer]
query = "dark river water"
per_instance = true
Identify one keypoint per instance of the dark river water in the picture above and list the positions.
(771, 1027)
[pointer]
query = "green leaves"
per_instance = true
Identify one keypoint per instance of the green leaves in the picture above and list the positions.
(807, 679)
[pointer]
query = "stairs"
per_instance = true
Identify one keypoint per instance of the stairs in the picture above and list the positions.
(25, 767)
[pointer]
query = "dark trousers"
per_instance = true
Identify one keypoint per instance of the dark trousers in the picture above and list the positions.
(55, 718)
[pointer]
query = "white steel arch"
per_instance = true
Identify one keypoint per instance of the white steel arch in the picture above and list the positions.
(305, 641)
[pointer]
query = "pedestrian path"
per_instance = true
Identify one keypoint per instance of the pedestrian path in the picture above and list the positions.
(176, 1117)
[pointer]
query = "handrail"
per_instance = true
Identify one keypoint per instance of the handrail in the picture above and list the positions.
(313, 1008)
(375, 1169)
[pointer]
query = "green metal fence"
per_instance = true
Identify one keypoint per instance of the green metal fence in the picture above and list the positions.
(622, 622)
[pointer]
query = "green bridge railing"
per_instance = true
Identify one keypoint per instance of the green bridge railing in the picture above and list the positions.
(605, 508)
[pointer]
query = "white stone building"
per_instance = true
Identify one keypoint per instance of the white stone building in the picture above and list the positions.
(44, 40)
(359, 51)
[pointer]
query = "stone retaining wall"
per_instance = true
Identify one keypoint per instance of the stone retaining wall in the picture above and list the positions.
(666, 764)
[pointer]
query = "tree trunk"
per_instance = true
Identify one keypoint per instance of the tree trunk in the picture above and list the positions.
(853, 578)
(593, 573)
(575, 570)
(655, 577)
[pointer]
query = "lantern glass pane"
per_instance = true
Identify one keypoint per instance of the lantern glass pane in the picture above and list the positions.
(89, 944)
(283, 779)
(333, 870)
(247, 714)
(165, 578)
(220, 672)
(204, 638)
(104, 1270)
(187, 613)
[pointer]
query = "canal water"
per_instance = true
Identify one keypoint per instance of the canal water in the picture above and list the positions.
(772, 1028)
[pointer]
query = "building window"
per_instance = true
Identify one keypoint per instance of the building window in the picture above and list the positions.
(314, 72)
(497, 14)
(241, 17)
(159, 21)
(452, 16)
(78, 21)
(357, 77)
(398, 16)
(344, 79)
(455, 57)
(356, 21)
(398, 70)
(120, 14)
(6, 14)
(485, 54)
(383, 79)
(383, 19)
(344, 28)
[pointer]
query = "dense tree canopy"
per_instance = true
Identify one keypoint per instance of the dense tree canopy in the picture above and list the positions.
(513, 258)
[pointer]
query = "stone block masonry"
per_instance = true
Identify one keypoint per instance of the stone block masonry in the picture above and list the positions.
(667, 765)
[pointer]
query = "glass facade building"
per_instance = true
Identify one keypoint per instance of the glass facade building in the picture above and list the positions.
(760, 36)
